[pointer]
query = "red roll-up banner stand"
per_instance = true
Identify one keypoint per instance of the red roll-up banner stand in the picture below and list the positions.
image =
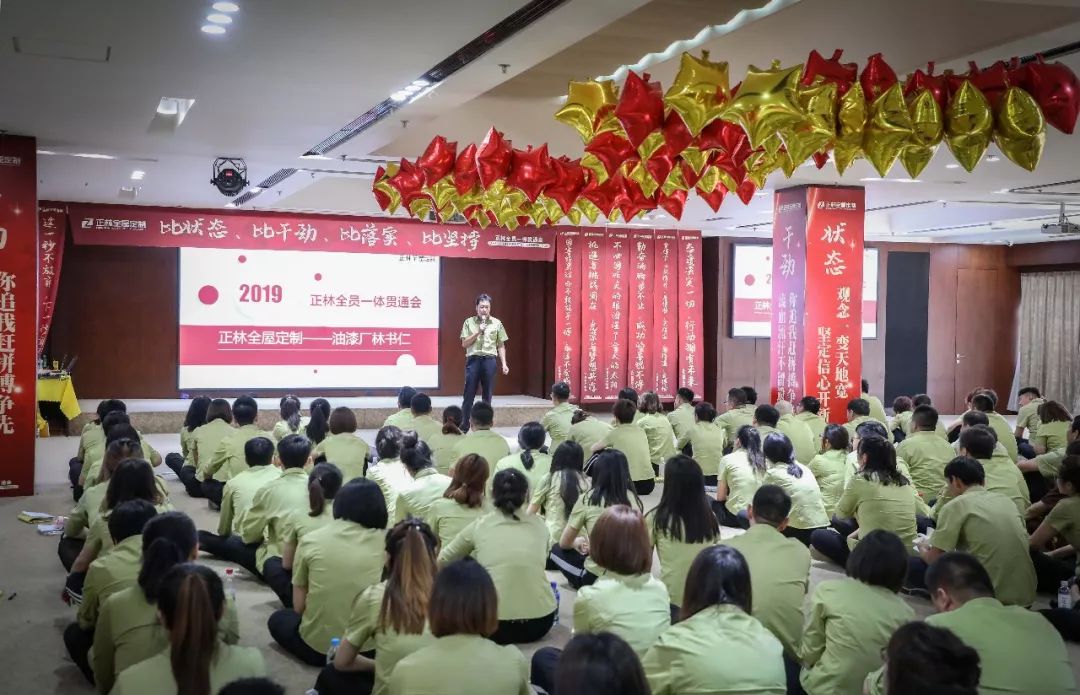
(18, 314)
(593, 318)
(615, 328)
(640, 320)
(788, 285)
(665, 314)
(568, 272)
(691, 333)
(52, 230)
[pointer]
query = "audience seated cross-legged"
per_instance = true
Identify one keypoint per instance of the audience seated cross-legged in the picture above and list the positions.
(428, 485)
(807, 508)
(900, 423)
(1040, 469)
(463, 614)
(195, 417)
(1059, 564)
(558, 491)
(482, 439)
(318, 425)
(402, 419)
(292, 421)
(557, 420)
(739, 412)
(741, 474)
(599, 663)
(198, 474)
(464, 500)
(801, 436)
(91, 443)
(921, 658)
(342, 447)
(443, 442)
(830, 466)
(925, 452)
(705, 441)
(808, 410)
(389, 473)
(228, 459)
(657, 428)
(681, 416)
(587, 430)
(532, 459)
(389, 617)
(332, 565)
(631, 440)
(513, 547)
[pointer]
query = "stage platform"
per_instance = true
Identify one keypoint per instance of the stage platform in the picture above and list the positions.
(166, 416)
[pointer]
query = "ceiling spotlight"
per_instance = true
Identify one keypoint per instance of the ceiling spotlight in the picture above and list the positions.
(138, 175)
(229, 175)
(226, 7)
(213, 29)
(952, 165)
(219, 19)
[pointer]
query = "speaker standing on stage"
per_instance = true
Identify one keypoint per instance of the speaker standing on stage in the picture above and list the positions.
(483, 337)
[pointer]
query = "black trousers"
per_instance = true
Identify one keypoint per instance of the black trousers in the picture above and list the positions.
(800, 534)
(1051, 572)
(212, 490)
(186, 474)
(831, 544)
(545, 663)
(1038, 486)
(922, 523)
(899, 435)
(68, 549)
(523, 631)
(284, 627)
(1066, 621)
(1024, 448)
(75, 467)
(78, 642)
(73, 585)
(479, 371)
(572, 564)
(334, 682)
(231, 549)
(711, 480)
(644, 487)
(792, 669)
(279, 579)
(175, 462)
(728, 519)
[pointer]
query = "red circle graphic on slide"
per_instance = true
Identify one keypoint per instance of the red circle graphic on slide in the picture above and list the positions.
(208, 294)
(241, 259)
(749, 280)
(318, 276)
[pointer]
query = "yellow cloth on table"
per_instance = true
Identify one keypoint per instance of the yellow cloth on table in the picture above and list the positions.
(60, 391)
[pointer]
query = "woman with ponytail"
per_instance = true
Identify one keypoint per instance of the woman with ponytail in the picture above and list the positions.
(741, 473)
(428, 484)
(324, 481)
(191, 603)
(342, 447)
(442, 444)
(196, 417)
(464, 500)
(390, 616)
(291, 420)
(557, 492)
(513, 547)
(319, 421)
(128, 630)
(533, 460)
(807, 508)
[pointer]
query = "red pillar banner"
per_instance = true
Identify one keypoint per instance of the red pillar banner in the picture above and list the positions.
(833, 327)
(640, 319)
(691, 333)
(18, 314)
(568, 310)
(52, 229)
(665, 314)
(593, 267)
(616, 270)
(788, 294)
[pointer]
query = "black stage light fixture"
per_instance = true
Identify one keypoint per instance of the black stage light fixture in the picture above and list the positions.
(230, 176)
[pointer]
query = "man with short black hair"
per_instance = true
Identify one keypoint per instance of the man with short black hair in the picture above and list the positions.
(877, 410)
(1027, 417)
(484, 337)
(739, 412)
(802, 438)
(229, 459)
(1002, 476)
(682, 416)
(926, 453)
(557, 421)
(402, 419)
(766, 418)
(239, 492)
(858, 412)
(481, 439)
(630, 394)
(985, 403)
(807, 411)
(423, 423)
(751, 394)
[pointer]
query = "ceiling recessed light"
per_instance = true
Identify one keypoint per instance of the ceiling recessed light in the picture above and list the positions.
(952, 165)
(420, 83)
(1003, 191)
(871, 178)
(400, 96)
(256, 189)
(230, 205)
(993, 158)
(213, 29)
(219, 19)
(138, 175)
(92, 155)
(226, 7)
(907, 180)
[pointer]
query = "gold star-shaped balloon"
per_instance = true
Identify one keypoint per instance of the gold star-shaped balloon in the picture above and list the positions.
(1020, 128)
(852, 122)
(699, 92)
(819, 103)
(888, 129)
(927, 129)
(584, 101)
(766, 102)
(969, 124)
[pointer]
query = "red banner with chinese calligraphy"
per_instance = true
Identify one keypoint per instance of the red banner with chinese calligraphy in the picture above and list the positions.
(834, 270)
(52, 229)
(788, 294)
(593, 316)
(665, 314)
(640, 314)
(691, 329)
(568, 273)
(616, 335)
(125, 225)
(18, 314)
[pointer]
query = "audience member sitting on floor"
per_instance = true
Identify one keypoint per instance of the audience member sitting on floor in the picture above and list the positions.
(800, 434)
(558, 491)
(766, 418)
(900, 422)
(1002, 476)
(206, 439)
(513, 547)
(389, 473)
(626, 600)
(858, 412)
(92, 443)
(705, 441)
(389, 617)
(631, 440)
(533, 458)
(252, 686)
(318, 425)
(807, 411)
(342, 447)
(402, 419)
(830, 466)
(291, 420)
(599, 663)
(925, 452)
(464, 500)
(191, 602)
(716, 647)
(463, 614)
(921, 658)
(611, 485)
(481, 439)
(681, 526)
(739, 412)
(1053, 432)
(116, 420)
(877, 410)
(985, 403)
(229, 459)
(587, 430)
(1027, 418)
(657, 428)
(195, 417)
(324, 482)
(681, 416)
(849, 621)
(332, 565)
(557, 421)
(807, 508)
(109, 574)
(442, 444)
(741, 473)
(428, 484)
(128, 629)
(423, 423)
(1041, 471)
(1059, 565)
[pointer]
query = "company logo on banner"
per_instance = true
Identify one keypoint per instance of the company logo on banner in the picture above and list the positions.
(52, 229)
(124, 225)
(18, 314)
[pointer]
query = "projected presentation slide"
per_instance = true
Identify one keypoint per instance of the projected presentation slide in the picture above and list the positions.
(751, 292)
(306, 319)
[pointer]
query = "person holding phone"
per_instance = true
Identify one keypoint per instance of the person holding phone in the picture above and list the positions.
(483, 337)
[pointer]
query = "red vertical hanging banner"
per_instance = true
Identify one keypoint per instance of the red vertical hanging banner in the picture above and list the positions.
(593, 316)
(690, 334)
(568, 310)
(788, 295)
(665, 313)
(18, 314)
(52, 229)
(616, 294)
(834, 269)
(640, 318)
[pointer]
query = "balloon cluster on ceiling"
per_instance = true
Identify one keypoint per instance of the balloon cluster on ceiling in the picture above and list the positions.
(646, 149)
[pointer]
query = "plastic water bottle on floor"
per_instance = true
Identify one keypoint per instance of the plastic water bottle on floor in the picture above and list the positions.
(555, 590)
(334, 644)
(230, 587)
(1064, 596)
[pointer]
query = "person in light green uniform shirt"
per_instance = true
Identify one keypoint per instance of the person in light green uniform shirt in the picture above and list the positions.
(988, 526)
(985, 404)
(462, 614)
(464, 500)
(877, 410)
(513, 547)
(557, 421)
(1027, 418)
(717, 646)
(264, 522)
(559, 490)
(390, 616)
(681, 526)
(850, 620)
(403, 418)
(779, 567)
(332, 565)
(925, 452)
(481, 439)
(390, 473)
(118, 568)
(89, 507)
(1063, 521)
(588, 431)
(829, 467)
(1054, 424)
(228, 459)
(741, 474)
(207, 440)
(343, 447)
(739, 412)
(858, 412)
(217, 663)
(706, 441)
(633, 443)
(423, 424)
(534, 460)
(442, 444)
(900, 422)
(807, 411)
(428, 485)
(682, 415)
(800, 434)
(239, 493)
(1002, 476)
(807, 507)
(657, 428)
(291, 422)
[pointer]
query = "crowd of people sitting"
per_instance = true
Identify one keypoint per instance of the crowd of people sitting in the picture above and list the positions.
(415, 566)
